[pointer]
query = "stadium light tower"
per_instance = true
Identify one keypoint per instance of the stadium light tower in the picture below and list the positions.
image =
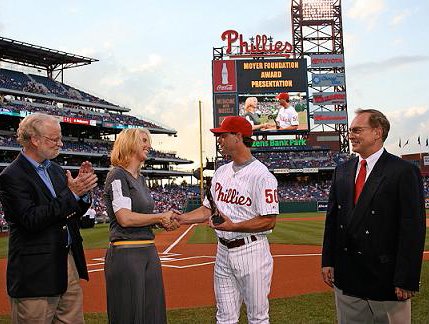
(317, 30)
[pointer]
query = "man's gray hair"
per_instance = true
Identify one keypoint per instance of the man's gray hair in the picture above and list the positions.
(31, 126)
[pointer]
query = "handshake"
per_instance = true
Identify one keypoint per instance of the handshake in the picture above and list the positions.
(170, 220)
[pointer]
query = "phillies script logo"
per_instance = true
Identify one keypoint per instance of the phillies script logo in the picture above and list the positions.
(260, 44)
(230, 196)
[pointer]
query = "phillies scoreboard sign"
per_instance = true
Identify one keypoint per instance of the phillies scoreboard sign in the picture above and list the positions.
(258, 67)
(260, 76)
(233, 80)
(284, 75)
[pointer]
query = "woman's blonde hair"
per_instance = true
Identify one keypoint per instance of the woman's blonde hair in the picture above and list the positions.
(125, 145)
(250, 102)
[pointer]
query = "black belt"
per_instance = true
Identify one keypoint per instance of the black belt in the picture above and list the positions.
(236, 243)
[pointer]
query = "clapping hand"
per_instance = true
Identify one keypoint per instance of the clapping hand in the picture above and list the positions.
(84, 181)
(86, 167)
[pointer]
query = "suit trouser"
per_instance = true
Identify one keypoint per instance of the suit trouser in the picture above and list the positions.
(66, 308)
(354, 310)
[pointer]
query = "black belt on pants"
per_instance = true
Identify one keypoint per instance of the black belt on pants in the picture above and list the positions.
(237, 243)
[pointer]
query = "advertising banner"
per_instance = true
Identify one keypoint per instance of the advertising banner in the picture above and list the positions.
(224, 105)
(327, 60)
(224, 76)
(330, 117)
(322, 206)
(329, 98)
(74, 120)
(328, 80)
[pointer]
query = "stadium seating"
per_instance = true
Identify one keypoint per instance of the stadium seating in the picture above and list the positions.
(309, 191)
(87, 147)
(298, 160)
(78, 112)
(13, 80)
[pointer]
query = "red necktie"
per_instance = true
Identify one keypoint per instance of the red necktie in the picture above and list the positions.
(360, 181)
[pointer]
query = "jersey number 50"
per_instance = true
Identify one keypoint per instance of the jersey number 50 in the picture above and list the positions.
(271, 196)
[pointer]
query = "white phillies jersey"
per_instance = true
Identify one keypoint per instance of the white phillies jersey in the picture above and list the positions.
(287, 117)
(245, 194)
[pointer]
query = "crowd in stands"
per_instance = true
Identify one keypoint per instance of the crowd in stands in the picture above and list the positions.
(19, 81)
(3, 223)
(75, 111)
(426, 186)
(308, 191)
(70, 146)
(32, 83)
(86, 147)
(174, 196)
(13, 80)
(299, 160)
(166, 198)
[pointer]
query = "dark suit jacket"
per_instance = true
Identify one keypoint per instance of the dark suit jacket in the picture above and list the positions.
(37, 259)
(376, 245)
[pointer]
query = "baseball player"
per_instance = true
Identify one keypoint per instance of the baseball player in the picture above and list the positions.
(245, 196)
(287, 117)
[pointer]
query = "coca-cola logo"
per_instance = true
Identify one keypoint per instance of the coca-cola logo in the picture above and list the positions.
(227, 87)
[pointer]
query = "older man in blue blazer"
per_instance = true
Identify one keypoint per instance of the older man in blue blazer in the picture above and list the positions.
(42, 205)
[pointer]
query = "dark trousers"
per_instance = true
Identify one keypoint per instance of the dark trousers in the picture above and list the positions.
(135, 290)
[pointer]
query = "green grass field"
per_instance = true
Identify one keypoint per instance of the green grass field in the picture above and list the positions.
(311, 308)
(296, 232)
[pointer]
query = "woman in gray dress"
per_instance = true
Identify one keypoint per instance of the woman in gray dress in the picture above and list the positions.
(250, 114)
(135, 291)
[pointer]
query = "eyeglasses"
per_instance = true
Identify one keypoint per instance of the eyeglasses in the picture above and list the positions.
(57, 140)
(357, 130)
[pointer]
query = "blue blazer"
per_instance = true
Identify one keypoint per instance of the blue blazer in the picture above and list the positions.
(378, 244)
(38, 222)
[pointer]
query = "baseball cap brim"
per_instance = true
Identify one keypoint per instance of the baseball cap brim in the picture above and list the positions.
(219, 130)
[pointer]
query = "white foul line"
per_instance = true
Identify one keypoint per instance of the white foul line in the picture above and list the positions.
(178, 240)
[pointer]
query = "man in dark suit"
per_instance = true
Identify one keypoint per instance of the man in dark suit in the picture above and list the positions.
(374, 230)
(42, 205)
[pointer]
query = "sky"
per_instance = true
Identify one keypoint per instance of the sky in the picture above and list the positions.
(155, 57)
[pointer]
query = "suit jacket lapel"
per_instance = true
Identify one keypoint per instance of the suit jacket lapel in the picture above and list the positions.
(368, 192)
(32, 173)
(349, 178)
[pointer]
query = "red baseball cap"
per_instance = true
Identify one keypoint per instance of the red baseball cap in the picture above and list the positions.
(234, 124)
(283, 95)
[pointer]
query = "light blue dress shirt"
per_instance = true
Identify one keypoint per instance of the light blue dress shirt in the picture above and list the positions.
(42, 171)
